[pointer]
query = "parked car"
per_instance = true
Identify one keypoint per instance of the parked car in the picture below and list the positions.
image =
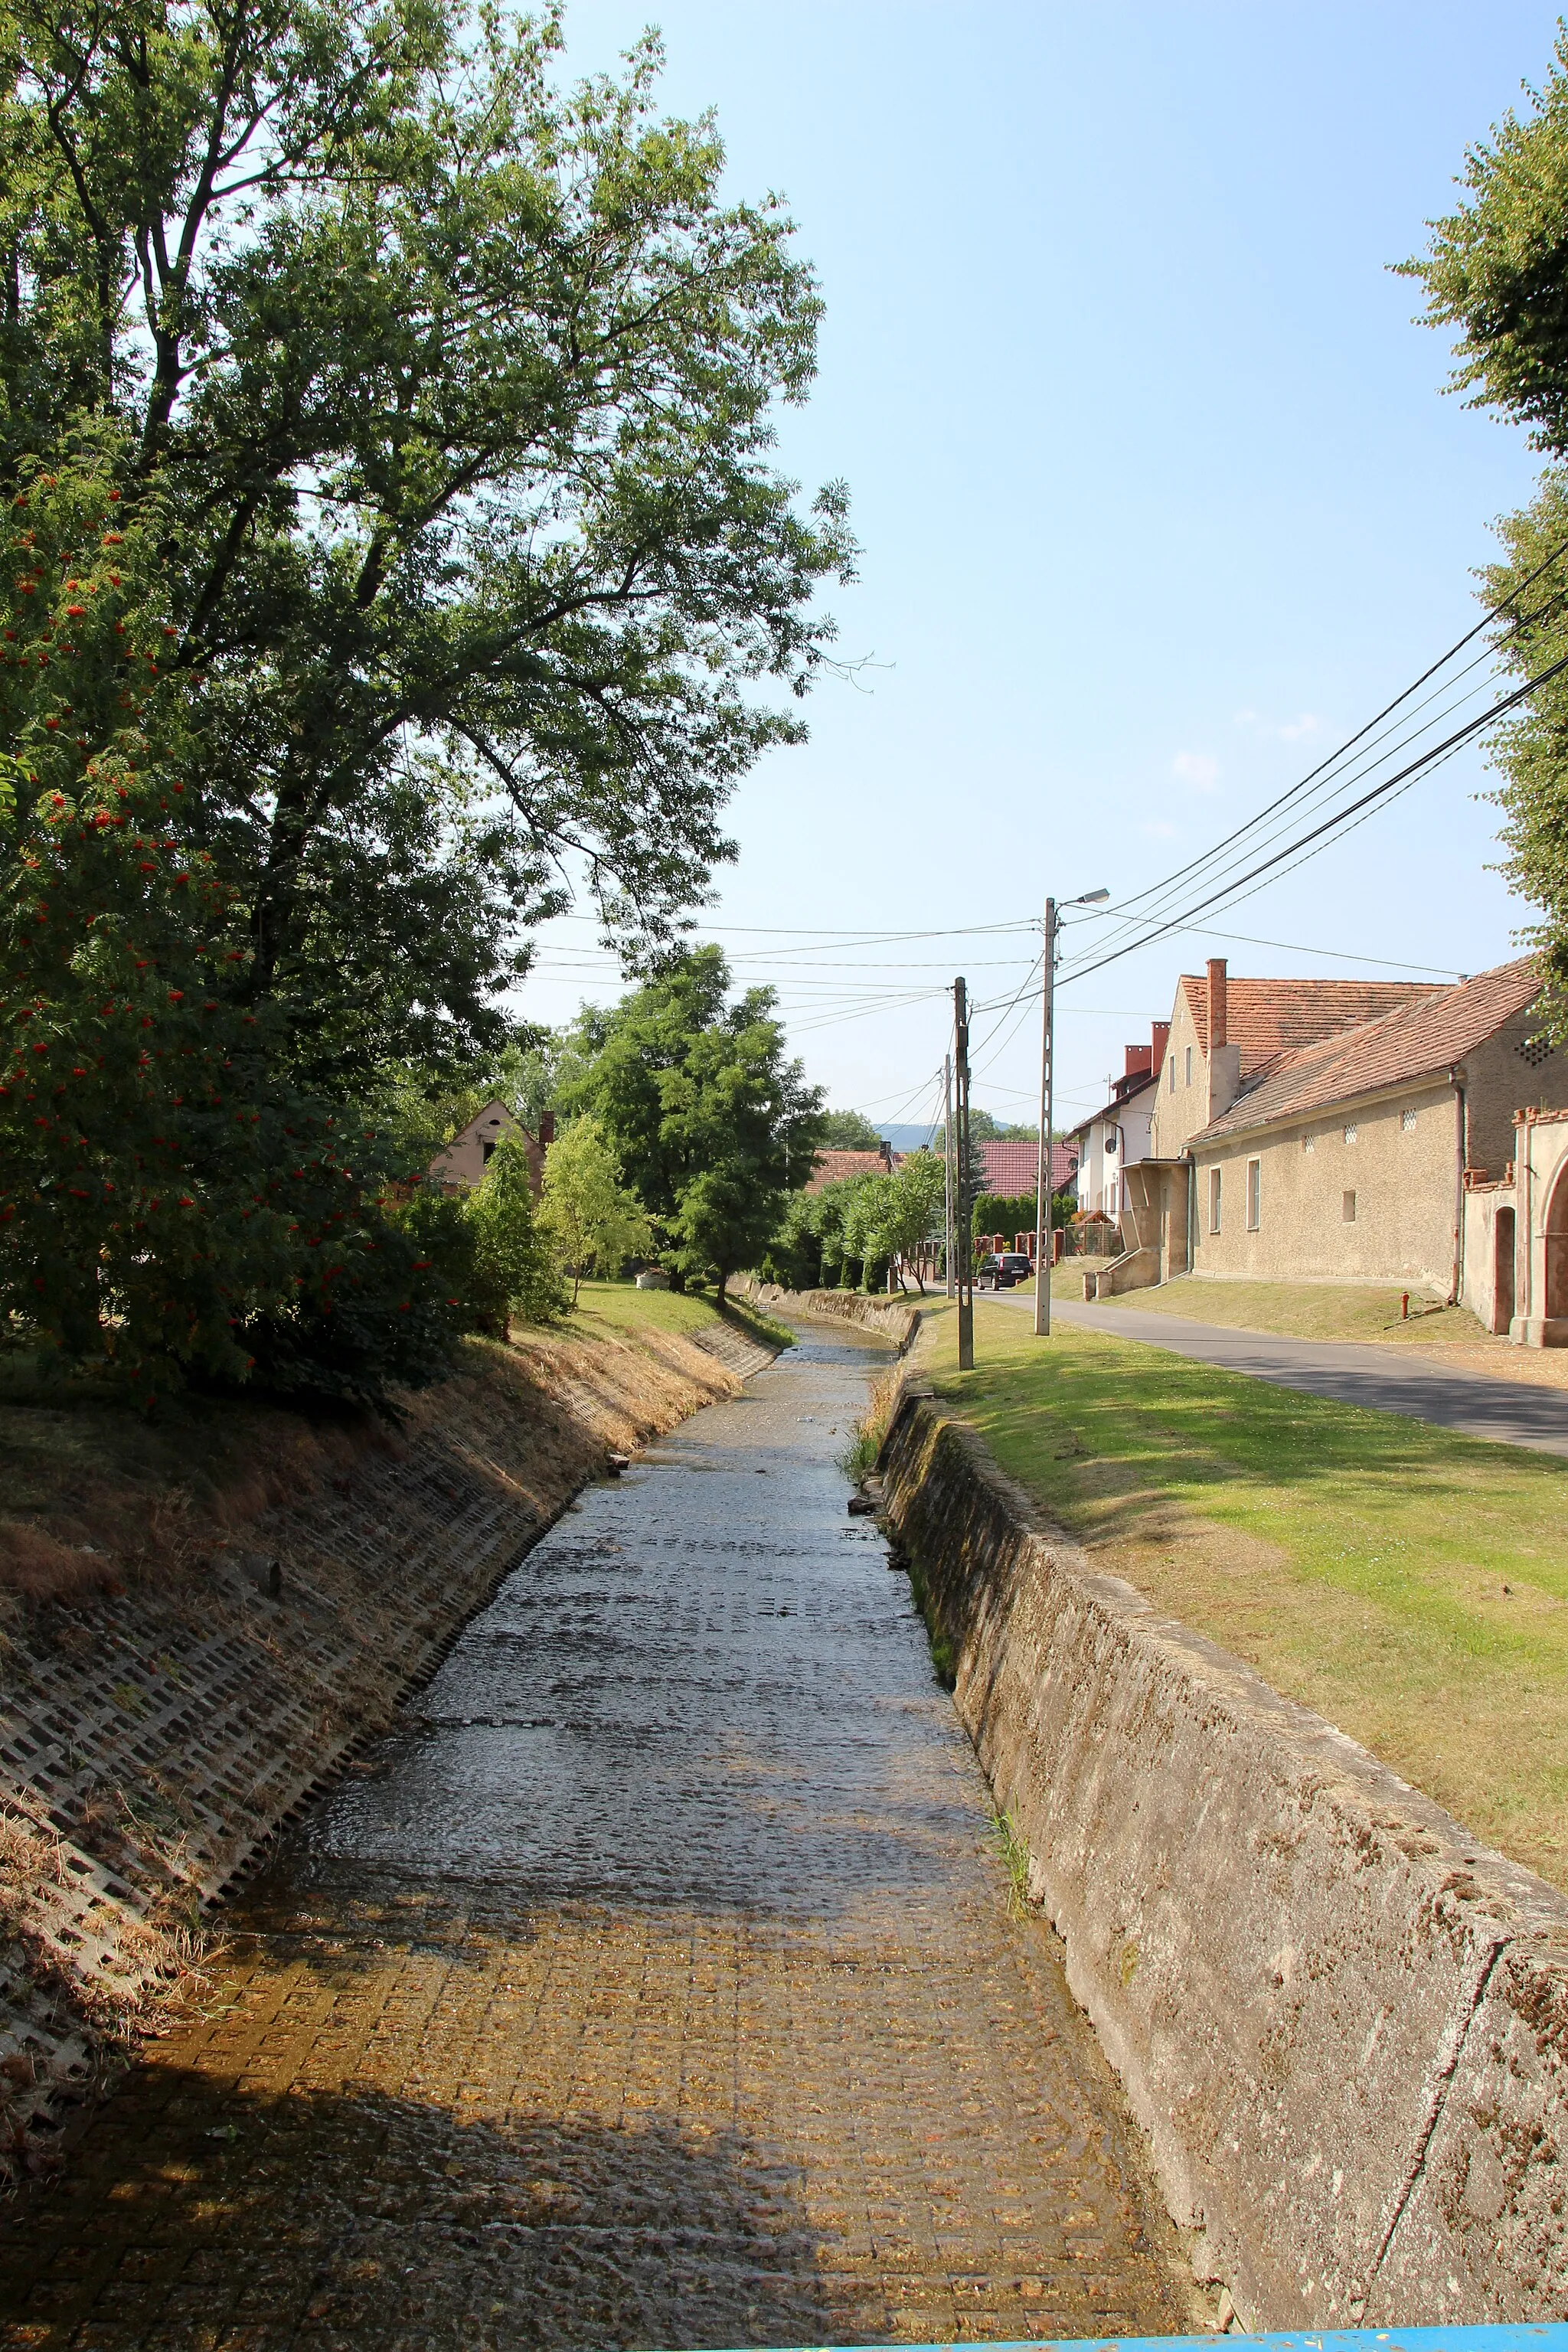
(1004, 1271)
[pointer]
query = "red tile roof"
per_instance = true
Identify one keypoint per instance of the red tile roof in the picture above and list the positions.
(1266, 1017)
(832, 1166)
(1417, 1041)
(1011, 1166)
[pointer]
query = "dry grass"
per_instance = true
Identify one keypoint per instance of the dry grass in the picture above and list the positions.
(97, 1497)
(1313, 1310)
(1409, 1584)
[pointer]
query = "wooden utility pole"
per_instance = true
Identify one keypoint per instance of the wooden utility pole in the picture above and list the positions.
(948, 1251)
(962, 1250)
(1044, 1239)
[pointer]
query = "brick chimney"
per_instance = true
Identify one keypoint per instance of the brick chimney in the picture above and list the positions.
(1139, 1061)
(1217, 1033)
(546, 1129)
(1161, 1033)
(1223, 1060)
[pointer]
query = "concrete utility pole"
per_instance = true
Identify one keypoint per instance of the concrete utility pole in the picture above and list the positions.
(947, 1245)
(1044, 1244)
(961, 1249)
(1044, 1239)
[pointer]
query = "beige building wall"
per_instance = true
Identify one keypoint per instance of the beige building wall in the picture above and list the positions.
(1402, 1168)
(1510, 1071)
(1182, 1103)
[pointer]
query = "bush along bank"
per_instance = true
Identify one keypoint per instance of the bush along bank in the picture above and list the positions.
(154, 1737)
(1341, 2021)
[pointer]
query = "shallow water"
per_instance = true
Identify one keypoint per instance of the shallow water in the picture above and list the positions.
(653, 1982)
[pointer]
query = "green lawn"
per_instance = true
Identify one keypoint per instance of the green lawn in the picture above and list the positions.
(1311, 1310)
(631, 1309)
(1409, 1584)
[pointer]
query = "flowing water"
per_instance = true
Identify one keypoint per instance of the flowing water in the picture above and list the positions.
(654, 1982)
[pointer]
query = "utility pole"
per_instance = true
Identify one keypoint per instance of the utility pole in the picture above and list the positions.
(961, 1242)
(1045, 1241)
(947, 1205)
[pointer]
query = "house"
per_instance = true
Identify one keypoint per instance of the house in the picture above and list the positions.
(1010, 1165)
(462, 1164)
(1118, 1135)
(832, 1167)
(1343, 1156)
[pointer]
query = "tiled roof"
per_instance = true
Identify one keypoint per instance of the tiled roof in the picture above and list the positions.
(831, 1167)
(1266, 1017)
(1417, 1041)
(1012, 1164)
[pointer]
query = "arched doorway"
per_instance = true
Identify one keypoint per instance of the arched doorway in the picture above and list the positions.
(1556, 1235)
(1502, 1271)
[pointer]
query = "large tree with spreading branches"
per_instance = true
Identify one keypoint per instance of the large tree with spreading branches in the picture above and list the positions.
(453, 389)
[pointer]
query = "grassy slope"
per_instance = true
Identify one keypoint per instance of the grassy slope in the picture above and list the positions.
(93, 1491)
(1409, 1584)
(627, 1308)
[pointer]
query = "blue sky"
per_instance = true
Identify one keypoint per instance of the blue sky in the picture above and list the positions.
(1158, 490)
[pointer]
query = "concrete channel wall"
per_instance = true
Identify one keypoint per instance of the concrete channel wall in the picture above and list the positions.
(153, 1744)
(1341, 2021)
(897, 1319)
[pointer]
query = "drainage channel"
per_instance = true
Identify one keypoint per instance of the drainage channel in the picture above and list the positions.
(653, 1982)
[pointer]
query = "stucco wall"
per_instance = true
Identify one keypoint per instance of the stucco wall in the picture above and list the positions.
(1502, 1076)
(1488, 1277)
(1405, 1185)
(1342, 2022)
(1180, 1115)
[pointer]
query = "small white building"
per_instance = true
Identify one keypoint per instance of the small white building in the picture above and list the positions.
(1118, 1136)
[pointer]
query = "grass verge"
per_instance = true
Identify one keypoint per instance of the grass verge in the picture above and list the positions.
(1409, 1584)
(629, 1308)
(1312, 1311)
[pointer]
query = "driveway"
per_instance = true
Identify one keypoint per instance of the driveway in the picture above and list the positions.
(1476, 1403)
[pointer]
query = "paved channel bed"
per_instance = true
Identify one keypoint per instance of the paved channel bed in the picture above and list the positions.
(654, 1982)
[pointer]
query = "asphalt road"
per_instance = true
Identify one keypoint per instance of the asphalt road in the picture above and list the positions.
(1388, 1380)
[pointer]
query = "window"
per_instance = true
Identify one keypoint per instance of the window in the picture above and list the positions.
(1189, 1066)
(1254, 1193)
(1347, 1208)
(1214, 1200)
(1408, 1122)
(1308, 1143)
(1350, 1132)
(1172, 1073)
(1110, 1139)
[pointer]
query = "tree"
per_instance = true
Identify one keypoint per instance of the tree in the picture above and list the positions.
(454, 392)
(1497, 270)
(848, 1130)
(512, 1264)
(169, 1205)
(586, 1211)
(713, 1127)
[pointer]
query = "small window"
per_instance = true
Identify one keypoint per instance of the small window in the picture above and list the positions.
(1350, 1132)
(1171, 1065)
(1347, 1208)
(1110, 1139)
(486, 1149)
(1189, 1066)
(1308, 1143)
(1214, 1200)
(1254, 1193)
(1408, 1122)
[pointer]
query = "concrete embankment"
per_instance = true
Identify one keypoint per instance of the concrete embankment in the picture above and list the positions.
(897, 1319)
(153, 1739)
(1341, 2021)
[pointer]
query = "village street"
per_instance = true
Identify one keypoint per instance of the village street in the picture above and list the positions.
(655, 1982)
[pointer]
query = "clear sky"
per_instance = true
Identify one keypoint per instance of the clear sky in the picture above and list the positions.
(1159, 492)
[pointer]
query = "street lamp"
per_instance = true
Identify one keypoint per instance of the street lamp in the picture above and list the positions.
(1043, 1244)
